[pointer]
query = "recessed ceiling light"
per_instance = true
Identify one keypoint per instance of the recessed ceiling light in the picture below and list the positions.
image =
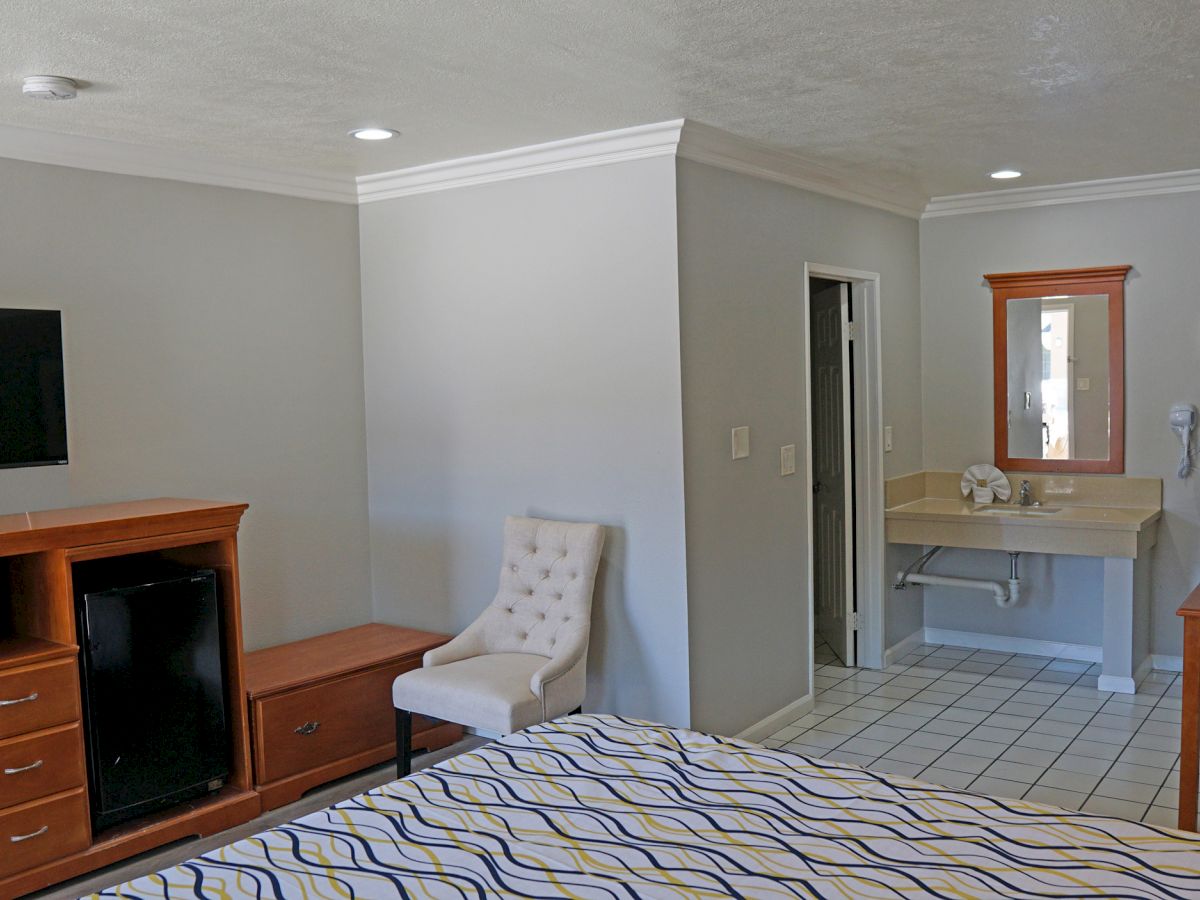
(1006, 173)
(373, 134)
(49, 87)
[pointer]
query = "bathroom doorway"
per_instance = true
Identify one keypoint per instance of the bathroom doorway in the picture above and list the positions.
(844, 459)
(831, 406)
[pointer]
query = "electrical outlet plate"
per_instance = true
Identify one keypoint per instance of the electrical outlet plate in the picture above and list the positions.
(787, 459)
(741, 442)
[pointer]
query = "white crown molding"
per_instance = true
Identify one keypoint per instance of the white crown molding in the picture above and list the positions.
(606, 147)
(1056, 194)
(675, 137)
(714, 147)
(118, 157)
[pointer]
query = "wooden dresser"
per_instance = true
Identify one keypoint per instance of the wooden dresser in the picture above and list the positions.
(45, 815)
(42, 776)
(1189, 731)
(321, 708)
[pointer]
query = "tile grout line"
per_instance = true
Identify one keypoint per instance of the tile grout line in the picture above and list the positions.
(1023, 681)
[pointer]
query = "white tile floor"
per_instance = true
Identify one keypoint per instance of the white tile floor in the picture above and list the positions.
(1007, 725)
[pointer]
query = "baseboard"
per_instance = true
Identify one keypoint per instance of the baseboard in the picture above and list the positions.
(764, 728)
(1166, 663)
(1003, 643)
(902, 648)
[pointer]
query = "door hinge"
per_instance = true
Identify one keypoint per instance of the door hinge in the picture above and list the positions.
(856, 620)
(851, 331)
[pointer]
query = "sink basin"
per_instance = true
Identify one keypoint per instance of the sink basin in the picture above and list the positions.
(1019, 511)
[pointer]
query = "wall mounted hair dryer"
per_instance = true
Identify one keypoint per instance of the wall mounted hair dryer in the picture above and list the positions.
(1183, 420)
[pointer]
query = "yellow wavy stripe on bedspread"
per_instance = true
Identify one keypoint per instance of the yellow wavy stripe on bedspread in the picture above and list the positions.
(604, 807)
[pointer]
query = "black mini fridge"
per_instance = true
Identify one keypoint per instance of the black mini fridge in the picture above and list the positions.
(153, 690)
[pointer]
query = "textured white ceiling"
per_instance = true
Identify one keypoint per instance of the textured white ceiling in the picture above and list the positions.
(918, 96)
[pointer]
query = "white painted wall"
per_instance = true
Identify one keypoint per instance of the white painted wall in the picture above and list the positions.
(522, 356)
(213, 349)
(743, 243)
(1162, 344)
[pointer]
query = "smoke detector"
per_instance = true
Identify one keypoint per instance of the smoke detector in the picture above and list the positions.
(50, 87)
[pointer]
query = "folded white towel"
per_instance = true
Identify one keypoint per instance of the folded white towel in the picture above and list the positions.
(993, 483)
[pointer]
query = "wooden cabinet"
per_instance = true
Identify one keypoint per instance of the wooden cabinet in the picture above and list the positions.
(43, 802)
(43, 830)
(45, 820)
(33, 697)
(1189, 730)
(322, 708)
(40, 764)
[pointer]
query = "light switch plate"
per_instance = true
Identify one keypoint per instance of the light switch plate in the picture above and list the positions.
(887, 438)
(787, 459)
(1083, 384)
(741, 442)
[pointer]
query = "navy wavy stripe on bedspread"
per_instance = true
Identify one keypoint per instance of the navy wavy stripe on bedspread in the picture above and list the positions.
(603, 807)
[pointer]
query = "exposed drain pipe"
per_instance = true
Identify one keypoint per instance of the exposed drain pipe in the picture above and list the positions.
(1004, 596)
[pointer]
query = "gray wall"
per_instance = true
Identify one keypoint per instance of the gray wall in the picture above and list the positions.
(213, 349)
(1025, 377)
(1091, 362)
(522, 356)
(743, 245)
(1157, 235)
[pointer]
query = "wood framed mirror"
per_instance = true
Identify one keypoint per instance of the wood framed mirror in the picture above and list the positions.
(1058, 340)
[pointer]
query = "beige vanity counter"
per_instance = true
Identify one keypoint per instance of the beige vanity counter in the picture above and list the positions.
(1083, 515)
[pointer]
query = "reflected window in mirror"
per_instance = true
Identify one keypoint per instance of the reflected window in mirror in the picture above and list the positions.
(1059, 370)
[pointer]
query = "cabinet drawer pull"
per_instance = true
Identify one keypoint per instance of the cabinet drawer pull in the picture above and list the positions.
(17, 838)
(28, 699)
(20, 769)
(308, 728)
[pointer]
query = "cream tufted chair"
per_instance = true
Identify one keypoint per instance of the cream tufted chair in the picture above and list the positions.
(523, 660)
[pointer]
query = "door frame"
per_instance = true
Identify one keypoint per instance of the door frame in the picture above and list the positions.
(866, 365)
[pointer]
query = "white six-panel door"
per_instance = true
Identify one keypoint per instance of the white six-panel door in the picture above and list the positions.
(833, 498)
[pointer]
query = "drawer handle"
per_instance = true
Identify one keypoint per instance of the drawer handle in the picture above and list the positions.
(308, 728)
(28, 699)
(17, 838)
(20, 769)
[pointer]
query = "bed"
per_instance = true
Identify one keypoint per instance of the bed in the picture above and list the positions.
(594, 806)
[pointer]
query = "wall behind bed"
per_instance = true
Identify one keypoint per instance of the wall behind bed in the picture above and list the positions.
(213, 349)
(521, 345)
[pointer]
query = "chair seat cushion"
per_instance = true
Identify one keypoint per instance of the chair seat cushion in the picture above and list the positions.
(489, 692)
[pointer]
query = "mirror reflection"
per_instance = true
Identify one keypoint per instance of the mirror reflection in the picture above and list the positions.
(1058, 377)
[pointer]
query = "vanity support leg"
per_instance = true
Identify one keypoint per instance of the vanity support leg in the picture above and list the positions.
(1126, 624)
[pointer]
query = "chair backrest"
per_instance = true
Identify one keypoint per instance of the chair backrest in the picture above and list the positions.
(546, 581)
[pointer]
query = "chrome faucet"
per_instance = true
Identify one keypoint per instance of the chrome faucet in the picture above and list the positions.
(1026, 494)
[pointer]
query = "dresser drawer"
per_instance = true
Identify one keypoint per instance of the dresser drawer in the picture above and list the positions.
(42, 831)
(37, 697)
(312, 726)
(41, 764)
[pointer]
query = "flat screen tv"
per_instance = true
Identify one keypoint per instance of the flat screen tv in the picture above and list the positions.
(33, 408)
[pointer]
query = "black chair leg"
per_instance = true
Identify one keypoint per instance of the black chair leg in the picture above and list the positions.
(403, 743)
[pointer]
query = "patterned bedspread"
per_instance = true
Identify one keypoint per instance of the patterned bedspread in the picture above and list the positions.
(598, 806)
